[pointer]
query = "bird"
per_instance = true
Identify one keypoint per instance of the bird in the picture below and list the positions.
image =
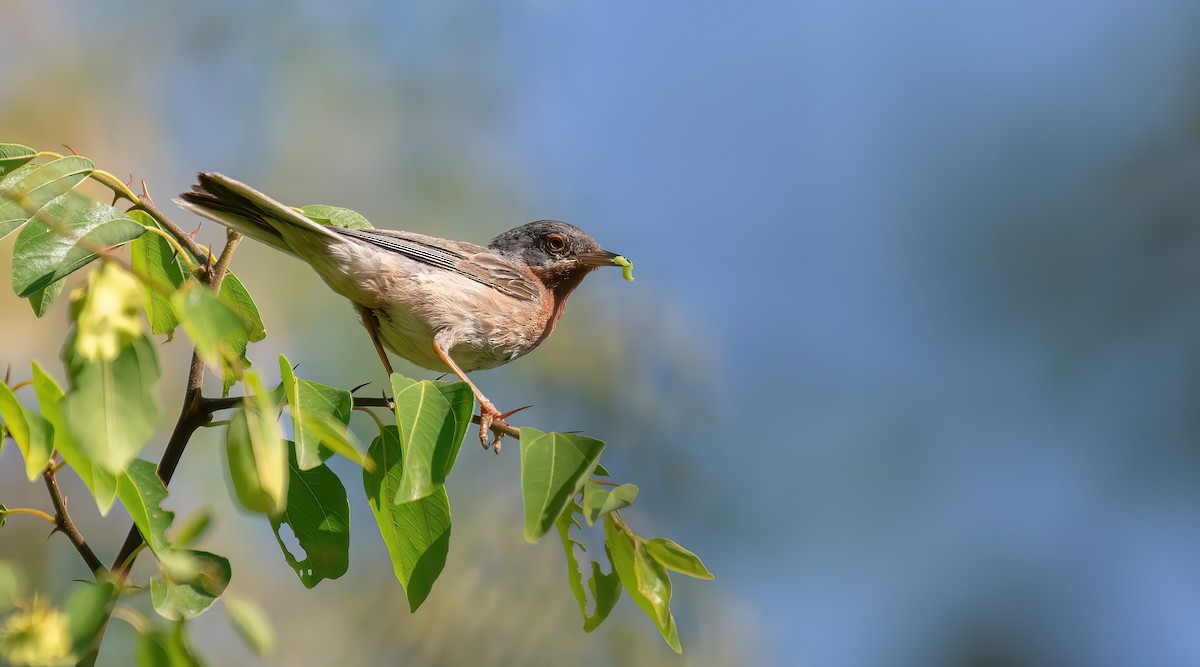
(444, 305)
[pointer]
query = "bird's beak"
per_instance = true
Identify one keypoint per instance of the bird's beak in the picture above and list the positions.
(599, 258)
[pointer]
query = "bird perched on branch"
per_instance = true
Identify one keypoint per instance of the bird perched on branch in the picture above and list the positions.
(443, 305)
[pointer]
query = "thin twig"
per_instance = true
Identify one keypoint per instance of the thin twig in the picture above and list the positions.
(63, 522)
(232, 239)
(31, 512)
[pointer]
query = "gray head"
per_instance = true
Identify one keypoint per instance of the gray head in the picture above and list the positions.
(558, 253)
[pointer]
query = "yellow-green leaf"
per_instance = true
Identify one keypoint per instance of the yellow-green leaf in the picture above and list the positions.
(554, 467)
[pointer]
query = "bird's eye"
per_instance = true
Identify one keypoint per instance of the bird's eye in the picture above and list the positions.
(555, 243)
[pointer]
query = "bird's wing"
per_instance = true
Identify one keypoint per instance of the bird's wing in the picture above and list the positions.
(474, 262)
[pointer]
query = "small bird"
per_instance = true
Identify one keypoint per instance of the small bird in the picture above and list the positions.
(443, 305)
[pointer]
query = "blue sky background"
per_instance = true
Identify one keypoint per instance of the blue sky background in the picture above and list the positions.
(911, 355)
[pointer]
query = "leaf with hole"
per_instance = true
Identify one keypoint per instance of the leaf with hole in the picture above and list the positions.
(417, 534)
(605, 588)
(318, 513)
(142, 493)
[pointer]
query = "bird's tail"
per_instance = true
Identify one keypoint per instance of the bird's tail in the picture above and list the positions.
(244, 209)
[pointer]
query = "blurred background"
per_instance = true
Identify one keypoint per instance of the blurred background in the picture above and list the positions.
(911, 360)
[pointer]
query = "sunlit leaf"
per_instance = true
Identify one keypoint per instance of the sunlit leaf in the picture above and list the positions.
(33, 434)
(335, 216)
(112, 408)
(109, 314)
(318, 513)
(49, 246)
(87, 610)
(319, 417)
(141, 493)
(674, 557)
(13, 156)
(190, 529)
(25, 192)
(166, 648)
(644, 579)
(252, 624)
(208, 321)
(432, 418)
(554, 467)
(598, 501)
(417, 534)
(100, 482)
(233, 294)
(605, 588)
(257, 452)
(185, 597)
(154, 257)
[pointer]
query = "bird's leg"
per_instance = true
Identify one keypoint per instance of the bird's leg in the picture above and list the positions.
(488, 414)
(371, 322)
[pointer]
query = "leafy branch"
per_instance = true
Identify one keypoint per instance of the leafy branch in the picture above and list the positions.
(98, 426)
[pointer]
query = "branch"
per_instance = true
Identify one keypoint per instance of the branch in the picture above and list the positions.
(145, 203)
(63, 523)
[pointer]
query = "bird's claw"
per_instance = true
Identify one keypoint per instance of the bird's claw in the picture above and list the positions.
(489, 416)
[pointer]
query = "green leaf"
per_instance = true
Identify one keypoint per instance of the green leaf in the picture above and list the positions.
(142, 492)
(417, 534)
(233, 294)
(155, 258)
(11, 215)
(50, 246)
(257, 452)
(335, 216)
(319, 516)
(101, 483)
(88, 609)
(204, 579)
(554, 467)
(605, 588)
(10, 585)
(112, 408)
(109, 314)
(189, 530)
(319, 417)
(674, 557)
(158, 648)
(644, 579)
(115, 232)
(13, 156)
(33, 433)
(598, 501)
(252, 624)
(209, 322)
(27, 190)
(432, 418)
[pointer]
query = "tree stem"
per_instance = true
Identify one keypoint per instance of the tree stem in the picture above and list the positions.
(63, 523)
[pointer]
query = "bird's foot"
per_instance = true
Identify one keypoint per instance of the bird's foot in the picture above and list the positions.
(489, 417)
